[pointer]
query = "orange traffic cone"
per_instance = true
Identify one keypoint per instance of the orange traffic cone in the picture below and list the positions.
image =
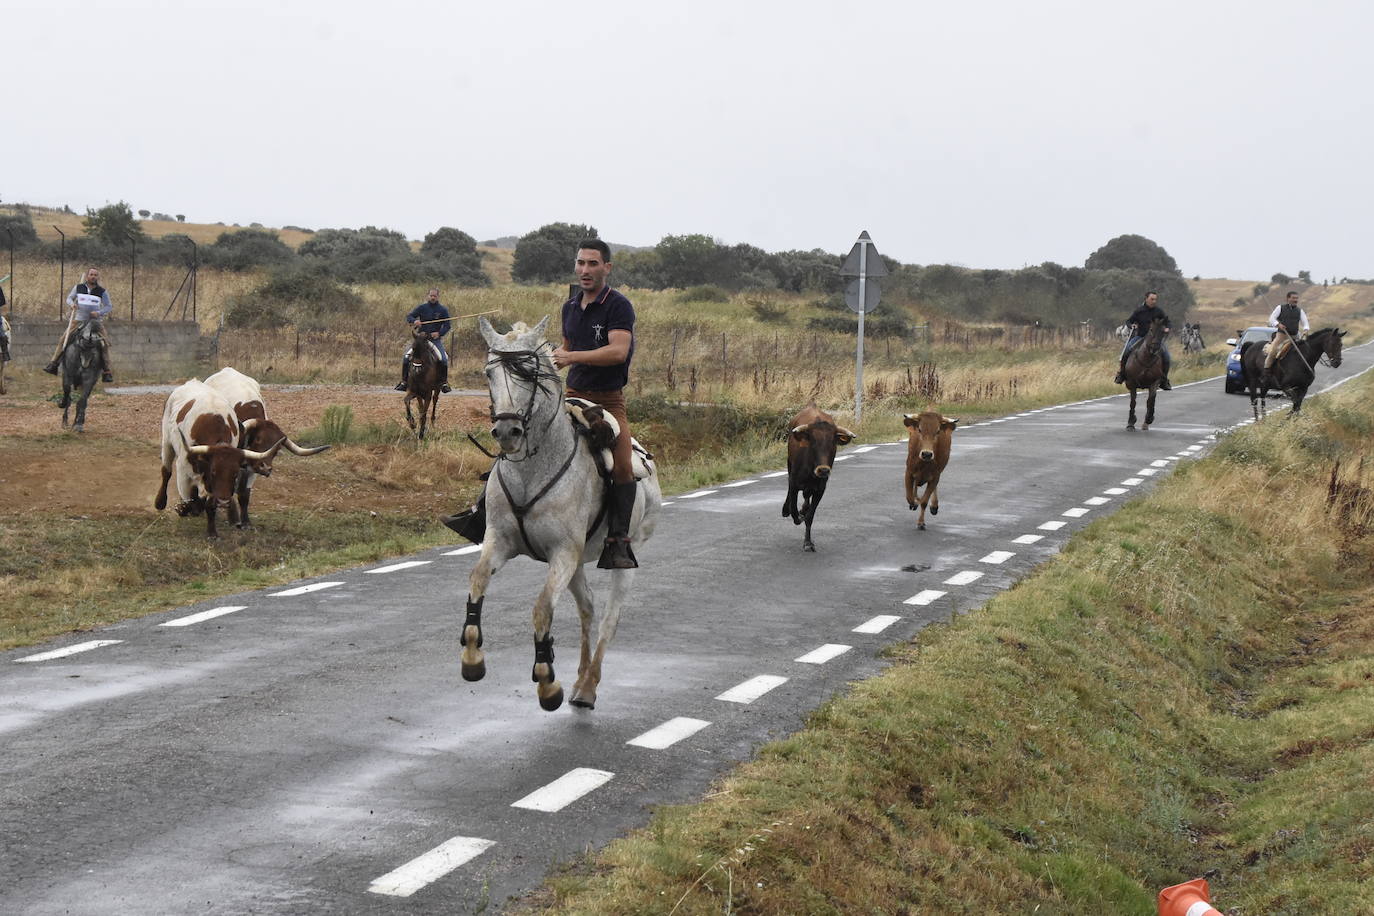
(1187, 899)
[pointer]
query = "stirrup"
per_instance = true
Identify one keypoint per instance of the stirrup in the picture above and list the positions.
(51, 368)
(617, 555)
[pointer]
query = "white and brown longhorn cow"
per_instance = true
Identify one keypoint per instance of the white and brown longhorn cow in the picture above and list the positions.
(811, 445)
(199, 445)
(927, 453)
(245, 398)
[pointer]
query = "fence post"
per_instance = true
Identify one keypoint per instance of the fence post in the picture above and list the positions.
(133, 271)
(298, 344)
(374, 348)
(61, 272)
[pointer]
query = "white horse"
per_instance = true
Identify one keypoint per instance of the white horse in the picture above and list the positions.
(545, 499)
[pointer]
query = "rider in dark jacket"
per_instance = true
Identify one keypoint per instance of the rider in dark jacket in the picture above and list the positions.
(433, 318)
(1139, 323)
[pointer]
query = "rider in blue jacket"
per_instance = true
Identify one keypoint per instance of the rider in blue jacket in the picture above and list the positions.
(433, 318)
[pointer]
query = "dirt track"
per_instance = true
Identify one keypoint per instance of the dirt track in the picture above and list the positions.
(112, 468)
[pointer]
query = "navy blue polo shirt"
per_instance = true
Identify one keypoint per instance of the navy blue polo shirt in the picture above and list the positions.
(589, 329)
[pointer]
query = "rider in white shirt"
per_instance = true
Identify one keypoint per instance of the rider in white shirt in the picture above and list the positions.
(1293, 320)
(90, 302)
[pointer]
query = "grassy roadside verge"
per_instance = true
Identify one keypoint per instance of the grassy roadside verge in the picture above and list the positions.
(1183, 692)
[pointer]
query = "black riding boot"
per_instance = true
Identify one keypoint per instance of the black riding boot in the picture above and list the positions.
(405, 374)
(617, 553)
(1164, 382)
(51, 367)
(471, 523)
(1120, 373)
(106, 373)
(4, 349)
(443, 378)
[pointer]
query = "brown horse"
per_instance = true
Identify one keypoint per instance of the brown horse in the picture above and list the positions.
(1144, 370)
(423, 382)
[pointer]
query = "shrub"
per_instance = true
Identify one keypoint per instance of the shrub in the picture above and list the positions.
(546, 255)
(248, 249)
(704, 293)
(1131, 252)
(336, 423)
(294, 295)
(21, 225)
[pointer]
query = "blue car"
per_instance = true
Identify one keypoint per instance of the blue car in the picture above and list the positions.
(1235, 378)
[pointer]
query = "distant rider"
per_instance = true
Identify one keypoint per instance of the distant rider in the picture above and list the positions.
(1292, 319)
(433, 319)
(1139, 323)
(90, 302)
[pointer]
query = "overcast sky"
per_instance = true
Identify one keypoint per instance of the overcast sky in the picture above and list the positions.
(987, 134)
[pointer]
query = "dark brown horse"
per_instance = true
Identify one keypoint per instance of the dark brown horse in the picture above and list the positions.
(1294, 372)
(1144, 370)
(423, 382)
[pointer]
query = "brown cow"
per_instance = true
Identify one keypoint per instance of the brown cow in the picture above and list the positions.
(199, 431)
(258, 432)
(810, 455)
(927, 453)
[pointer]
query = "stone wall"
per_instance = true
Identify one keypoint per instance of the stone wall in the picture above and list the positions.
(143, 350)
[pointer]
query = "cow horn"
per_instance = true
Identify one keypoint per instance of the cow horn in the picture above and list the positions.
(250, 423)
(950, 420)
(844, 432)
(799, 430)
(295, 449)
(198, 449)
(249, 455)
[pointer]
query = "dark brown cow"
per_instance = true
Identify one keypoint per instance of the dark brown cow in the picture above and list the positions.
(811, 448)
(199, 432)
(259, 433)
(927, 453)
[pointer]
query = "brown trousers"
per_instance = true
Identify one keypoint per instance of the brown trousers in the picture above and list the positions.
(614, 402)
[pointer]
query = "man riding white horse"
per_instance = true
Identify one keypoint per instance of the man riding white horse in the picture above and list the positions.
(90, 302)
(598, 343)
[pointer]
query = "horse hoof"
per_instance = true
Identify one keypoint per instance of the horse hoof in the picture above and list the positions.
(934, 510)
(1130, 427)
(921, 526)
(475, 672)
(552, 701)
(582, 701)
(79, 428)
(810, 548)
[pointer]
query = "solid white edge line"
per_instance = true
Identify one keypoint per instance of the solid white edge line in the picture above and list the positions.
(471, 548)
(775, 474)
(669, 733)
(876, 624)
(752, 689)
(822, 654)
(303, 590)
(697, 494)
(925, 597)
(427, 868)
(70, 650)
(396, 567)
(564, 790)
(204, 615)
(739, 483)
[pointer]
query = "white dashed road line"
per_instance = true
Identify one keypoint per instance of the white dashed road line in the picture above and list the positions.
(963, 578)
(1075, 512)
(1052, 526)
(70, 650)
(1115, 491)
(877, 624)
(997, 556)
(669, 733)
(304, 589)
(752, 689)
(471, 548)
(433, 865)
(1027, 539)
(925, 597)
(394, 567)
(823, 654)
(1132, 482)
(1096, 501)
(1161, 463)
(204, 615)
(1148, 472)
(564, 790)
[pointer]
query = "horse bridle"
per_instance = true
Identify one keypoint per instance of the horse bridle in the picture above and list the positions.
(528, 367)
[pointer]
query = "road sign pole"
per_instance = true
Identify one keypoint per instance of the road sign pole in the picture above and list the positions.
(859, 356)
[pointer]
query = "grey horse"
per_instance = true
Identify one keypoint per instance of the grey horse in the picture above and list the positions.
(545, 500)
(80, 370)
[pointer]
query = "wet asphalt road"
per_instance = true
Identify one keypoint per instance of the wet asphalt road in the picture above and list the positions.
(318, 752)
